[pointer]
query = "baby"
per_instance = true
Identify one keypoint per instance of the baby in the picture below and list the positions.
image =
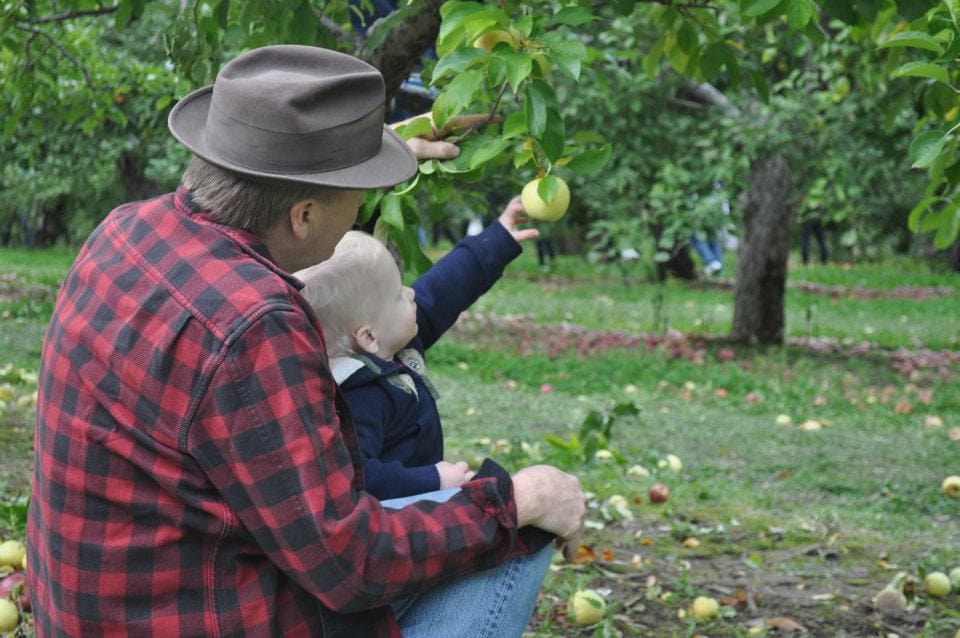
(377, 331)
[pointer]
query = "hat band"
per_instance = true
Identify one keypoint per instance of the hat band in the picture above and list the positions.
(294, 153)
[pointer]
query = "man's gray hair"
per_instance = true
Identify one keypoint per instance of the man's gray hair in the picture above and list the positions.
(244, 203)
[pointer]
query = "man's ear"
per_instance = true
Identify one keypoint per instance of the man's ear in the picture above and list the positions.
(366, 340)
(300, 217)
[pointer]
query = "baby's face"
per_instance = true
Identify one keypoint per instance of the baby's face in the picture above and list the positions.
(394, 319)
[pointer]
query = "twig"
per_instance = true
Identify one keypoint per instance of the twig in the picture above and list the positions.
(61, 47)
(483, 125)
(79, 13)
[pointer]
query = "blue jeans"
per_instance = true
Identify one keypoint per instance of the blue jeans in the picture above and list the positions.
(496, 603)
(709, 250)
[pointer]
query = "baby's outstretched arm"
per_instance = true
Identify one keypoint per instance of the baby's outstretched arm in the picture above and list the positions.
(453, 474)
(512, 216)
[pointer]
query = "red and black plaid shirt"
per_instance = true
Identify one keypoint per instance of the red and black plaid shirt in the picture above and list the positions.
(196, 471)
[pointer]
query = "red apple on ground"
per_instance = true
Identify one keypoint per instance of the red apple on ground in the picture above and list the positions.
(10, 584)
(659, 493)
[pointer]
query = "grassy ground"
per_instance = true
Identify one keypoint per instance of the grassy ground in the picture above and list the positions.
(801, 522)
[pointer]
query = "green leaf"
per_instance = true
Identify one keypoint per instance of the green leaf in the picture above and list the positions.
(760, 83)
(514, 125)
(222, 12)
(456, 62)
(303, 26)
(488, 151)
(535, 108)
(566, 53)
(923, 70)
(651, 61)
(949, 228)
(925, 148)
(458, 95)
(799, 13)
(572, 16)
(913, 220)
(913, 39)
(519, 66)
(554, 138)
(390, 210)
(590, 161)
(754, 8)
(123, 14)
(547, 188)
(687, 38)
(415, 127)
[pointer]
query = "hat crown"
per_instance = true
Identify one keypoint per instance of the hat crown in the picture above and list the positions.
(297, 89)
(292, 113)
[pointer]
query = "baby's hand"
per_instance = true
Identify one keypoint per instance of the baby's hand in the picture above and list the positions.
(453, 474)
(514, 215)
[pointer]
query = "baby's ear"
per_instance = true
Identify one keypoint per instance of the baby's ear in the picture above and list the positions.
(366, 340)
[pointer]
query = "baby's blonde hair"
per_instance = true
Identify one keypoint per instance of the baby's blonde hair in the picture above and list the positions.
(336, 289)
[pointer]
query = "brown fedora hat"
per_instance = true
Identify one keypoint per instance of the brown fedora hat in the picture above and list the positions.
(300, 114)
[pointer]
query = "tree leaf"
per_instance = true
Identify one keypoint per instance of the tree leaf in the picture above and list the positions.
(554, 137)
(926, 147)
(913, 220)
(519, 66)
(488, 151)
(303, 24)
(390, 211)
(456, 62)
(535, 108)
(799, 13)
(949, 228)
(754, 8)
(913, 39)
(572, 16)
(590, 161)
(566, 53)
(923, 70)
(547, 188)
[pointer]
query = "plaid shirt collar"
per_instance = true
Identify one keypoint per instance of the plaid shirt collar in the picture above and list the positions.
(249, 242)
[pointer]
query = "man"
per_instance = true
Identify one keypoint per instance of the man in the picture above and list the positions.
(197, 471)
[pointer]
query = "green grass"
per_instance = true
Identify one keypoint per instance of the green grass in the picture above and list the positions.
(865, 488)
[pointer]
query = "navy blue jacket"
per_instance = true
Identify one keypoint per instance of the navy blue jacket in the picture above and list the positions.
(400, 435)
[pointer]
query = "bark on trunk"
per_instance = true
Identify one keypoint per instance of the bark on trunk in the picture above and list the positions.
(136, 186)
(758, 314)
(405, 45)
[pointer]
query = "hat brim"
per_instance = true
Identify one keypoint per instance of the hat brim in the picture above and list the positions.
(395, 163)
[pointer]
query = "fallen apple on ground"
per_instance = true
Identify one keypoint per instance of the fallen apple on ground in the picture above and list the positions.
(659, 493)
(951, 486)
(9, 615)
(955, 577)
(586, 607)
(543, 211)
(784, 419)
(12, 553)
(704, 608)
(937, 584)
(14, 587)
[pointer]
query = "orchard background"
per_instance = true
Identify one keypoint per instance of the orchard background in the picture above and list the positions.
(654, 113)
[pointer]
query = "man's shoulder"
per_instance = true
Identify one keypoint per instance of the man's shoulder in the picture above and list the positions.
(207, 269)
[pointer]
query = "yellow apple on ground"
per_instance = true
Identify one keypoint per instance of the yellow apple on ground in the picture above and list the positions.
(674, 462)
(937, 584)
(585, 607)
(491, 39)
(543, 211)
(951, 486)
(704, 608)
(9, 615)
(784, 419)
(955, 577)
(12, 553)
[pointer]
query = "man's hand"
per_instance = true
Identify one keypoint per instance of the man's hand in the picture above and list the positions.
(551, 500)
(453, 474)
(513, 215)
(433, 146)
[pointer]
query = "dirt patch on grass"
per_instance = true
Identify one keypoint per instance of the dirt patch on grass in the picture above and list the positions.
(813, 590)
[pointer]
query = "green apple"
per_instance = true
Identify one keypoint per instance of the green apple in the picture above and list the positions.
(12, 553)
(585, 607)
(704, 608)
(937, 584)
(955, 577)
(951, 486)
(543, 211)
(9, 615)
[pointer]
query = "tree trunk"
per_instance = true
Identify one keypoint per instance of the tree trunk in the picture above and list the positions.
(53, 224)
(136, 186)
(680, 264)
(405, 44)
(758, 314)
